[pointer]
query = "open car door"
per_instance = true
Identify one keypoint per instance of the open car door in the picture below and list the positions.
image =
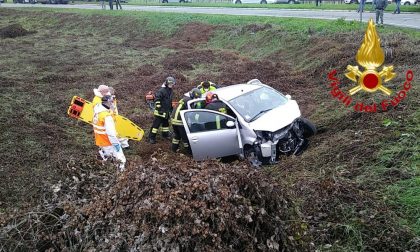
(211, 134)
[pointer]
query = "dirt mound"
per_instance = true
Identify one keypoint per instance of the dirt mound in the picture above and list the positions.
(14, 31)
(165, 205)
(184, 60)
(146, 70)
(190, 35)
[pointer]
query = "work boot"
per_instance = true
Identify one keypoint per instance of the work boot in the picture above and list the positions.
(174, 147)
(152, 138)
(166, 135)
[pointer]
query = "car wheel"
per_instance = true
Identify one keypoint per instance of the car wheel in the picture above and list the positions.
(291, 2)
(164, 1)
(182, 1)
(263, 2)
(407, 3)
(238, 2)
(309, 128)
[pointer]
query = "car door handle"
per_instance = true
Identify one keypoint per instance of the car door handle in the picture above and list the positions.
(194, 139)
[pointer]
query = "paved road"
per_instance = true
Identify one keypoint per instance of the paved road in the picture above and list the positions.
(411, 20)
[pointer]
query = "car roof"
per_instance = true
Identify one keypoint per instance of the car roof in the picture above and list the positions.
(230, 92)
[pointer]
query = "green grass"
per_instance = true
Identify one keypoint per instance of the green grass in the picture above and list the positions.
(306, 6)
(405, 194)
(168, 23)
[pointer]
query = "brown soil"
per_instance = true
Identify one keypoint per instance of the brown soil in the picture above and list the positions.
(62, 199)
(13, 31)
(190, 35)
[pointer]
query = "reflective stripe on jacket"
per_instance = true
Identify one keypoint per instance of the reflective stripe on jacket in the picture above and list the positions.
(203, 90)
(176, 114)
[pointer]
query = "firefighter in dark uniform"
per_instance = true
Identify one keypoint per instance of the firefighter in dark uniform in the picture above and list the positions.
(163, 108)
(179, 130)
(213, 103)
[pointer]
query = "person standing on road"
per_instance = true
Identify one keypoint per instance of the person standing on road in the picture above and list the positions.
(361, 6)
(118, 3)
(105, 133)
(177, 125)
(380, 7)
(103, 6)
(397, 9)
(163, 108)
(111, 4)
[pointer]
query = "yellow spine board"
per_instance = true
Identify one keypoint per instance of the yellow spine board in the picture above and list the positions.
(82, 110)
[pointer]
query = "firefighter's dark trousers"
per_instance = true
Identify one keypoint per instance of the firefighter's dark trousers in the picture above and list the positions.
(180, 135)
(157, 122)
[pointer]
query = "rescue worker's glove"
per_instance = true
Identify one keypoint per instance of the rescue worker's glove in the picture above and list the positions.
(117, 147)
(158, 111)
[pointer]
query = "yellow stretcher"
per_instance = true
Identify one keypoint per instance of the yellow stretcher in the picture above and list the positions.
(82, 109)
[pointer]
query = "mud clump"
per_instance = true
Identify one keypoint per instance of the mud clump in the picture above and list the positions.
(14, 31)
(191, 34)
(184, 59)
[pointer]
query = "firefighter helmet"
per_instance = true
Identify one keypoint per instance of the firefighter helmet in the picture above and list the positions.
(211, 97)
(170, 80)
(205, 84)
(195, 93)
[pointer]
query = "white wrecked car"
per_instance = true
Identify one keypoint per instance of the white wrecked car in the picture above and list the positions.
(260, 124)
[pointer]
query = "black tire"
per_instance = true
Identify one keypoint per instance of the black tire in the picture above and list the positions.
(164, 1)
(238, 2)
(309, 128)
(182, 1)
(407, 3)
(291, 2)
(263, 2)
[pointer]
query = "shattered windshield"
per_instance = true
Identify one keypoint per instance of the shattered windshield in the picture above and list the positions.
(257, 102)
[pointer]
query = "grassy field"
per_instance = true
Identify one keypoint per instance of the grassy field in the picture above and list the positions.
(307, 6)
(357, 186)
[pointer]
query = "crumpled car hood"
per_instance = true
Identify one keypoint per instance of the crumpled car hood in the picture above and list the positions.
(277, 118)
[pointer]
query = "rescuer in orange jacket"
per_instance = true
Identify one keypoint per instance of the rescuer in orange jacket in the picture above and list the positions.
(105, 133)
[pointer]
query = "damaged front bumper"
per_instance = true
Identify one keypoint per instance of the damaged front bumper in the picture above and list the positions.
(288, 140)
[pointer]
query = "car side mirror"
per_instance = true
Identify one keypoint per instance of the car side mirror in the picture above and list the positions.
(289, 97)
(230, 124)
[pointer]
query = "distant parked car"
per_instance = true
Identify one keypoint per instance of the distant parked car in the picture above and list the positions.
(356, 1)
(53, 1)
(409, 2)
(265, 1)
(250, 1)
(285, 1)
(25, 1)
(176, 1)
